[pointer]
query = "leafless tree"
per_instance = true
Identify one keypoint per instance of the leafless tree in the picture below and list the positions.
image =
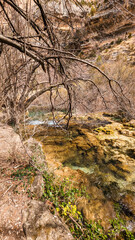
(34, 62)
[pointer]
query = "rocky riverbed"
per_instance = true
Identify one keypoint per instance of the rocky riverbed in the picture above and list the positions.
(99, 154)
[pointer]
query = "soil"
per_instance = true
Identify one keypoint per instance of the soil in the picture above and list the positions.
(13, 199)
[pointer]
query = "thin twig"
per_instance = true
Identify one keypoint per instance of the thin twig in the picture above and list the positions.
(76, 223)
(6, 180)
(6, 190)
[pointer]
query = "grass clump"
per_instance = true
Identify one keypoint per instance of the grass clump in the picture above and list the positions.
(61, 193)
(28, 171)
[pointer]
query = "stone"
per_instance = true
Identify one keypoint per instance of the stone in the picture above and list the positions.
(108, 157)
(40, 224)
(131, 123)
(34, 150)
(1, 116)
(96, 209)
(37, 187)
(128, 203)
(11, 147)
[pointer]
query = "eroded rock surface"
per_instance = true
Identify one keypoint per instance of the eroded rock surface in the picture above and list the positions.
(41, 224)
(11, 147)
(102, 159)
(37, 187)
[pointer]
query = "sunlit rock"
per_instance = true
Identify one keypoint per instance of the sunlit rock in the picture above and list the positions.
(11, 146)
(40, 224)
(99, 157)
(37, 187)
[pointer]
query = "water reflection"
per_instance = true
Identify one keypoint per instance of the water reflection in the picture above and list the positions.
(38, 122)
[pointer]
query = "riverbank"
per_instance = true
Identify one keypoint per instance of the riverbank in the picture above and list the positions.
(96, 158)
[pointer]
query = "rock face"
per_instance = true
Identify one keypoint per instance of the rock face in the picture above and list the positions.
(110, 22)
(37, 186)
(97, 209)
(119, 145)
(41, 224)
(11, 147)
(34, 149)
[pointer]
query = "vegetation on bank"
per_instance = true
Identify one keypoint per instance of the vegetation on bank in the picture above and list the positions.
(61, 197)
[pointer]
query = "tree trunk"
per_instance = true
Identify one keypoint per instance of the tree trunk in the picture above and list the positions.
(13, 117)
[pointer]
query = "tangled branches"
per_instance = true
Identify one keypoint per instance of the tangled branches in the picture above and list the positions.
(33, 62)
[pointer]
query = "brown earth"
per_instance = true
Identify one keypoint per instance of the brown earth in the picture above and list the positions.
(13, 199)
(13, 196)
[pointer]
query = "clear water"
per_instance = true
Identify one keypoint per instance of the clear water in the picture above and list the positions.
(51, 123)
(84, 169)
(36, 122)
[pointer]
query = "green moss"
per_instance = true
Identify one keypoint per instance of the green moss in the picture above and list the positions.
(93, 10)
(99, 58)
(104, 130)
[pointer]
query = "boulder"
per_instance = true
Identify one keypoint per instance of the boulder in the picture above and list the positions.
(37, 187)
(128, 203)
(40, 224)
(97, 210)
(34, 150)
(11, 147)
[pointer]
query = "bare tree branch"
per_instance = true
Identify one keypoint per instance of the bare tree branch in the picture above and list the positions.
(20, 47)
